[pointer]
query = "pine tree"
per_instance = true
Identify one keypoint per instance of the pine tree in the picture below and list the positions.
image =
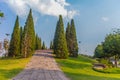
(73, 42)
(55, 39)
(38, 43)
(60, 45)
(51, 45)
(14, 49)
(43, 46)
(24, 42)
(29, 36)
(21, 33)
(68, 37)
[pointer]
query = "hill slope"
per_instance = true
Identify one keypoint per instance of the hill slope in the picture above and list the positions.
(81, 69)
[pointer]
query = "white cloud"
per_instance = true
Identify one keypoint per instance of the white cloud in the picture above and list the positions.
(105, 19)
(72, 13)
(35, 19)
(63, 3)
(46, 7)
(19, 6)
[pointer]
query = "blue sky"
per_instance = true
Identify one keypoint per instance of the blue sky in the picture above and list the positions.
(94, 19)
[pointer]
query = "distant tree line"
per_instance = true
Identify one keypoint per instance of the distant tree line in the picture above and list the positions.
(110, 47)
(65, 44)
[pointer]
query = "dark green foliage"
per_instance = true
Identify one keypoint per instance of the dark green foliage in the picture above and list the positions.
(21, 33)
(68, 37)
(24, 43)
(23, 40)
(1, 14)
(111, 45)
(38, 43)
(110, 48)
(43, 46)
(55, 39)
(99, 53)
(73, 45)
(51, 45)
(29, 37)
(60, 45)
(14, 49)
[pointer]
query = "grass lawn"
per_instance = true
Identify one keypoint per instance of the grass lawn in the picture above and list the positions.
(81, 69)
(10, 67)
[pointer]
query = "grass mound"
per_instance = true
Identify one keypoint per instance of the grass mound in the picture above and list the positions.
(109, 70)
(81, 69)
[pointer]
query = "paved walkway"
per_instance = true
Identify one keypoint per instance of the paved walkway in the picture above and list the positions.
(41, 67)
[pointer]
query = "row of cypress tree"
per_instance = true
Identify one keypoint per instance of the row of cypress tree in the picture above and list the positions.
(24, 41)
(71, 39)
(39, 44)
(65, 44)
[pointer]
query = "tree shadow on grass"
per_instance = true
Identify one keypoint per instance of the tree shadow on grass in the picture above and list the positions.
(9, 73)
(82, 59)
(79, 76)
(43, 55)
(75, 65)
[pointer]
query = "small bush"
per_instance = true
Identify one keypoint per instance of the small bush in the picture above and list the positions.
(106, 62)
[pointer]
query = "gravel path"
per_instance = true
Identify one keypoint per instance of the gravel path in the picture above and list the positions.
(41, 67)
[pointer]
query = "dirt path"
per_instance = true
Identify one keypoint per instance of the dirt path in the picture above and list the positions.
(41, 67)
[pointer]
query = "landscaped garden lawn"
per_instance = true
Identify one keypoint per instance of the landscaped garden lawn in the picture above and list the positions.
(81, 69)
(10, 67)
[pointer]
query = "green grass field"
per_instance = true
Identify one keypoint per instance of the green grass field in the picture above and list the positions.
(81, 69)
(10, 67)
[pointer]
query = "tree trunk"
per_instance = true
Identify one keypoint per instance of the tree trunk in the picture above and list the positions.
(115, 61)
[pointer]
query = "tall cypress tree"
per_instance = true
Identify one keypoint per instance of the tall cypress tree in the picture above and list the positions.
(73, 42)
(68, 37)
(55, 39)
(51, 45)
(14, 48)
(38, 43)
(43, 45)
(29, 36)
(60, 45)
(24, 42)
(21, 33)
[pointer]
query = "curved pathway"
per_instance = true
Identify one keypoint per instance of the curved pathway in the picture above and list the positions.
(41, 67)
